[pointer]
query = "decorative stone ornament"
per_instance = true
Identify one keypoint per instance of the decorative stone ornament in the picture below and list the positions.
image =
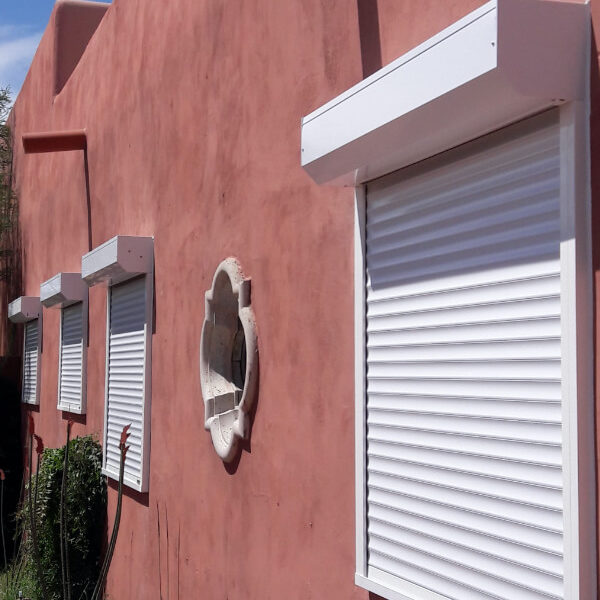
(228, 359)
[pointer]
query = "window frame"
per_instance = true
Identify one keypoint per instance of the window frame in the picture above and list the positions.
(579, 504)
(36, 400)
(118, 260)
(67, 407)
(143, 484)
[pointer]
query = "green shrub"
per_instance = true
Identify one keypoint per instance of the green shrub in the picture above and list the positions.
(19, 577)
(85, 515)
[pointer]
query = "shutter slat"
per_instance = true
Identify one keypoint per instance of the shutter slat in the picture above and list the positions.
(448, 569)
(513, 213)
(464, 373)
(500, 559)
(516, 470)
(542, 327)
(536, 410)
(528, 537)
(471, 369)
(508, 290)
(484, 174)
(497, 349)
(535, 390)
(390, 474)
(544, 306)
(489, 508)
(458, 441)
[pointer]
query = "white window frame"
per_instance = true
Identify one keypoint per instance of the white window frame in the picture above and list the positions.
(138, 485)
(579, 478)
(36, 400)
(81, 407)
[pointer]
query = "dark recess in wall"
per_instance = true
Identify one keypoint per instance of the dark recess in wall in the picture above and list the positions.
(10, 446)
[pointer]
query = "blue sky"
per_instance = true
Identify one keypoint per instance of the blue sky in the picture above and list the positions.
(22, 23)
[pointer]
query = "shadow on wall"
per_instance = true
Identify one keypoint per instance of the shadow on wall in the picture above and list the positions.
(140, 497)
(10, 447)
(370, 41)
(86, 171)
(595, 185)
(11, 265)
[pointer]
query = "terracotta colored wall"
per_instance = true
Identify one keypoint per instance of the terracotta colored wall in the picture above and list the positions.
(193, 115)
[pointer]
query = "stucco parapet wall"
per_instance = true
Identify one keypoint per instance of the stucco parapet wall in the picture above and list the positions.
(75, 22)
(63, 290)
(118, 259)
(24, 308)
(504, 61)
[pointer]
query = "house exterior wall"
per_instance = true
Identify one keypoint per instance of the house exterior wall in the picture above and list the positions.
(192, 111)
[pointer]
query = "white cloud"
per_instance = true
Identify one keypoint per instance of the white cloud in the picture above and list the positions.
(17, 47)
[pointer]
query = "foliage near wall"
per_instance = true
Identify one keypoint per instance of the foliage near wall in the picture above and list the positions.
(85, 522)
(8, 200)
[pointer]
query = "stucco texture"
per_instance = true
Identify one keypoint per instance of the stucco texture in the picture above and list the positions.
(192, 111)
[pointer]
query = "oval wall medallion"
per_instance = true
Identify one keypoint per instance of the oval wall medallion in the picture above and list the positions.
(228, 359)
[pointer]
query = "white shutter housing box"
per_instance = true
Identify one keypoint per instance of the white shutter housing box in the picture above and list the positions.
(28, 310)
(24, 308)
(515, 57)
(63, 290)
(118, 259)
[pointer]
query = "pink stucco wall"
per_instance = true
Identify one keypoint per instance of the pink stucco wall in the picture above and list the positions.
(193, 117)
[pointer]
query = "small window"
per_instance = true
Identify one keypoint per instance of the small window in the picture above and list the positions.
(31, 352)
(72, 358)
(27, 310)
(68, 293)
(127, 379)
(126, 264)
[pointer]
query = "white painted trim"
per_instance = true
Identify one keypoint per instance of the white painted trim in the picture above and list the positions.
(577, 355)
(147, 382)
(84, 351)
(484, 72)
(67, 407)
(359, 378)
(381, 583)
(107, 360)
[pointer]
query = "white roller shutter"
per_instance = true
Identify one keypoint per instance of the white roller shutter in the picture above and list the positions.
(31, 346)
(463, 350)
(127, 355)
(71, 379)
